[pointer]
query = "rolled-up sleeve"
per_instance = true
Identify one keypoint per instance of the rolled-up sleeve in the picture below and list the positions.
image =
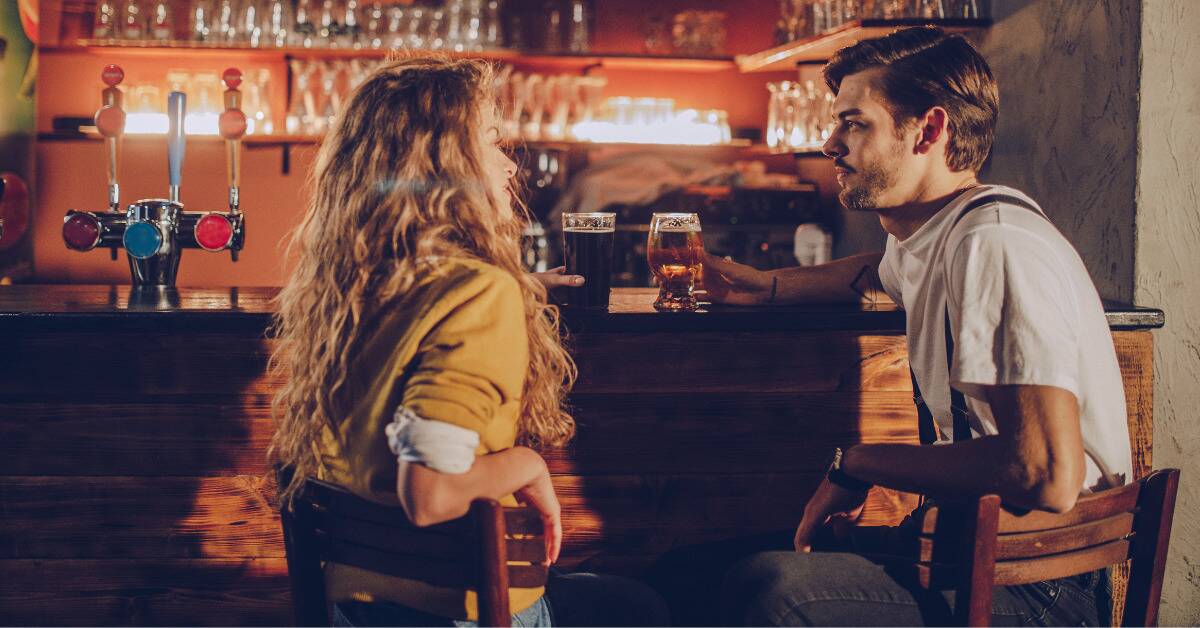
(475, 359)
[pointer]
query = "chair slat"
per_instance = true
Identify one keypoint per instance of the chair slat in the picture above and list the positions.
(443, 573)
(522, 521)
(1088, 508)
(1061, 565)
(526, 550)
(325, 496)
(401, 539)
(526, 576)
(1076, 537)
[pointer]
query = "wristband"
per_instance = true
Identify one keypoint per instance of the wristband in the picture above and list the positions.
(837, 476)
(847, 481)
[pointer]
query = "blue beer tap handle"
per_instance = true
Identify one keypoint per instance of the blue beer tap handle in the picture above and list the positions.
(176, 108)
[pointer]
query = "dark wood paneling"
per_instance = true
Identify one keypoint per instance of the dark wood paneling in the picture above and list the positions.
(752, 433)
(740, 362)
(121, 517)
(195, 592)
(128, 365)
(226, 436)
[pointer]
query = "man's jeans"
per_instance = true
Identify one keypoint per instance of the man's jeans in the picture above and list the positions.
(827, 589)
(761, 581)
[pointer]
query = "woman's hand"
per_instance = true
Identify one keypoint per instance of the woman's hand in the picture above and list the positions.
(556, 278)
(735, 284)
(540, 494)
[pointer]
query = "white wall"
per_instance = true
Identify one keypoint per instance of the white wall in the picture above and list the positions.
(1067, 132)
(1166, 270)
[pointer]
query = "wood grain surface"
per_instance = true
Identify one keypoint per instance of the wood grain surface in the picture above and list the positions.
(136, 491)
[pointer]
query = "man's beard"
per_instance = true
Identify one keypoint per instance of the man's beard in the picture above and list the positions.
(864, 196)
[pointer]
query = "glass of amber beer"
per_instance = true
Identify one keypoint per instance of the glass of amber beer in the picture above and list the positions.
(676, 256)
(588, 249)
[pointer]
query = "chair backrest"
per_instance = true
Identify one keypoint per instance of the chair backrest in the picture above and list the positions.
(329, 524)
(974, 546)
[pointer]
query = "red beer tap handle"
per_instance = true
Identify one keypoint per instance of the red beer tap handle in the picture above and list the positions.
(232, 125)
(110, 122)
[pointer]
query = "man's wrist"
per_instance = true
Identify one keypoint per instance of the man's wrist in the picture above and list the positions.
(839, 475)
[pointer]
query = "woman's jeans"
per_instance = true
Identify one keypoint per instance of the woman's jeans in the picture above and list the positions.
(578, 599)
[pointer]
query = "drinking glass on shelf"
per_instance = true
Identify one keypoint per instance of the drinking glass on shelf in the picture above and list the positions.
(105, 22)
(132, 20)
(258, 103)
(578, 26)
(162, 21)
(416, 28)
(301, 115)
(225, 22)
(249, 27)
(675, 252)
(304, 32)
(493, 31)
(534, 97)
(968, 9)
(588, 251)
(931, 9)
(374, 25)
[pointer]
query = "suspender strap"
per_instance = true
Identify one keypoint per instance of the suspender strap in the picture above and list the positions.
(926, 427)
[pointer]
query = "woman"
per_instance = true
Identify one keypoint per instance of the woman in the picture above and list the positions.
(419, 352)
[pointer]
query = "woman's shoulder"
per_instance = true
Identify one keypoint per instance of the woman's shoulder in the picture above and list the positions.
(463, 278)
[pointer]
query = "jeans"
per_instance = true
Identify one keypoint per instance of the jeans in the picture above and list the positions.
(577, 599)
(761, 581)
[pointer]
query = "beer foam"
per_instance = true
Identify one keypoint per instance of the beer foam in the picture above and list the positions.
(589, 229)
(692, 228)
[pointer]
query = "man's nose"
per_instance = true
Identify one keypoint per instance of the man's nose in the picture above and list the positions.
(833, 146)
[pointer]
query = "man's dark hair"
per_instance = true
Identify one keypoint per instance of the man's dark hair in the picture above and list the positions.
(924, 67)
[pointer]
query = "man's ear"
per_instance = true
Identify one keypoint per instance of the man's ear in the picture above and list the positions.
(933, 126)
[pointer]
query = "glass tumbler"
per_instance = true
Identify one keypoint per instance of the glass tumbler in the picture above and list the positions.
(675, 252)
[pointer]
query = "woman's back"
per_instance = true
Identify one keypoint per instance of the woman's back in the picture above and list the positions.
(452, 350)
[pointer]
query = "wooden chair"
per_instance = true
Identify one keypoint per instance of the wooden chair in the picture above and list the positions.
(329, 523)
(974, 546)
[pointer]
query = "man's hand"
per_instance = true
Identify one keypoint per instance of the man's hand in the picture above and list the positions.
(735, 284)
(828, 503)
(556, 278)
(540, 494)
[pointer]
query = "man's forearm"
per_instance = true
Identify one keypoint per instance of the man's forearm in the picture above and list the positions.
(981, 465)
(853, 279)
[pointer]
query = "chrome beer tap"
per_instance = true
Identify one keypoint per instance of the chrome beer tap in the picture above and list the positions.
(154, 232)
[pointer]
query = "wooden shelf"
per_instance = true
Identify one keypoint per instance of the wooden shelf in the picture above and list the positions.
(566, 61)
(822, 47)
(286, 141)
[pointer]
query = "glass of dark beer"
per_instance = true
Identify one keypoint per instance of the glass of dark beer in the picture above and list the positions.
(588, 249)
(676, 256)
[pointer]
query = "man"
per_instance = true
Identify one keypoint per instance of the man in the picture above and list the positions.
(1002, 318)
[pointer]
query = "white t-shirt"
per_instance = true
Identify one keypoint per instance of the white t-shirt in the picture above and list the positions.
(1023, 310)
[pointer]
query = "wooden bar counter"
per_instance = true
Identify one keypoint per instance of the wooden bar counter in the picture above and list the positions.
(133, 432)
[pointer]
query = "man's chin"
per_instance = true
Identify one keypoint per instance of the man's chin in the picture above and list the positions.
(855, 201)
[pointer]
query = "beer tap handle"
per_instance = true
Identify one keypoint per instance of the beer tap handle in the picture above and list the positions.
(110, 122)
(233, 126)
(176, 109)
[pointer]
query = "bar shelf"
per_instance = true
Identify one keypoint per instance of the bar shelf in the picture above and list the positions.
(822, 47)
(562, 61)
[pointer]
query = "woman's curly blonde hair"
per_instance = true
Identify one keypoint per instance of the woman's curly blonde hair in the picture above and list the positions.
(400, 176)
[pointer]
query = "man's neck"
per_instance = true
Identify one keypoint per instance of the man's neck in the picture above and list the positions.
(905, 220)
